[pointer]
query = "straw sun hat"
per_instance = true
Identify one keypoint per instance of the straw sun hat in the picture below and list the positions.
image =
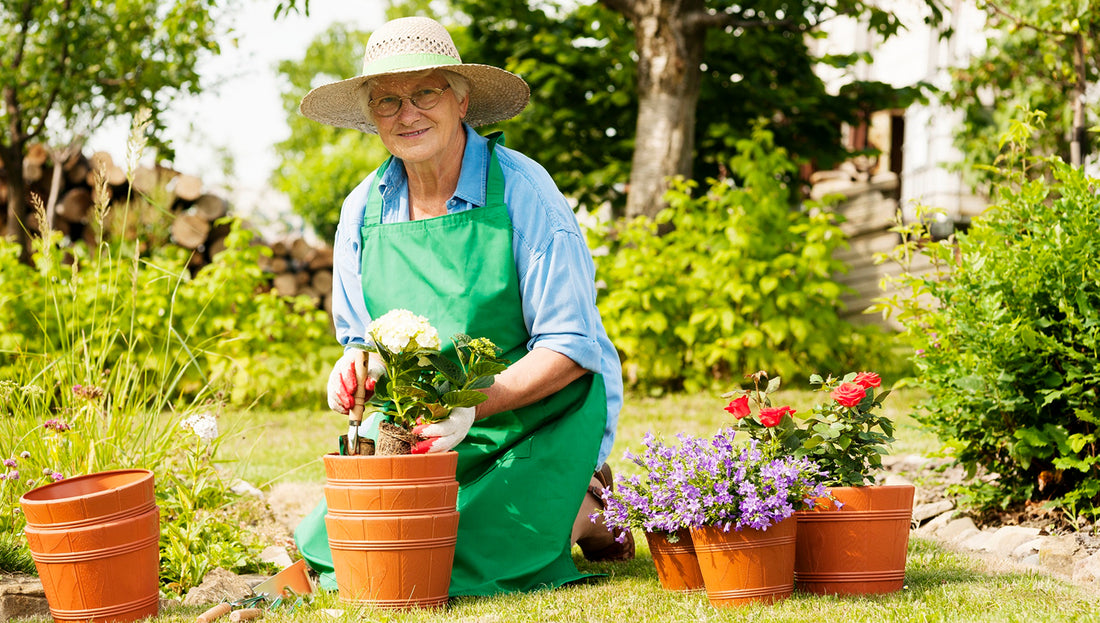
(411, 44)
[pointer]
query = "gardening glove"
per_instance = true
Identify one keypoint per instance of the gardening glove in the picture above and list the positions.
(344, 379)
(442, 436)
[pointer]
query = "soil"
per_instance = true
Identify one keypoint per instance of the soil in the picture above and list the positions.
(393, 440)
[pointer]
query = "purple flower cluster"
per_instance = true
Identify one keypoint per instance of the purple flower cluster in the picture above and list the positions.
(711, 482)
(55, 425)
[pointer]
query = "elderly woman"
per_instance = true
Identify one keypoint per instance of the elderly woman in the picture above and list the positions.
(477, 238)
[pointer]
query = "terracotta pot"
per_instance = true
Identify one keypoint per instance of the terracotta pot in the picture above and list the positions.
(746, 566)
(392, 527)
(859, 549)
(94, 540)
(677, 566)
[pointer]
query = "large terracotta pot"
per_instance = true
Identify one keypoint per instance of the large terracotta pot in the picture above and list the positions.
(859, 549)
(94, 540)
(746, 566)
(392, 527)
(676, 563)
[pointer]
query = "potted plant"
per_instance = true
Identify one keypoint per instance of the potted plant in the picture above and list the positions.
(856, 542)
(736, 500)
(392, 520)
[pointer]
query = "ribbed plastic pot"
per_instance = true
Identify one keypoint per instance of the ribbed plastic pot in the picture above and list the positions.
(859, 549)
(94, 540)
(746, 566)
(392, 527)
(676, 563)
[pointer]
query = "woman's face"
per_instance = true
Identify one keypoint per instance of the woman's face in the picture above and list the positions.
(415, 135)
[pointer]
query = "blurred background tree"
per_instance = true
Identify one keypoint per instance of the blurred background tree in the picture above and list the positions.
(65, 67)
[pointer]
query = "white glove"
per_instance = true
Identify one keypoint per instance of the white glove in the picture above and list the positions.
(442, 436)
(345, 375)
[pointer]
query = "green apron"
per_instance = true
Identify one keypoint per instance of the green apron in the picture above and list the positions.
(522, 474)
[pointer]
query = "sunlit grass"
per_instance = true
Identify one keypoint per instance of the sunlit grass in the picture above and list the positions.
(286, 446)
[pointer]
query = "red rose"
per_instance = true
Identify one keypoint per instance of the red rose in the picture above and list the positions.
(739, 407)
(849, 394)
(771, 416)
(867, 380)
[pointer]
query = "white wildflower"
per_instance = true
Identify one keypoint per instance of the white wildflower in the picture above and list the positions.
(204, 424)
(401, 330)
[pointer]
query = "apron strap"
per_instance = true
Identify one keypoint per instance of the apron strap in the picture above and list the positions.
(373, 212)
(494, 187)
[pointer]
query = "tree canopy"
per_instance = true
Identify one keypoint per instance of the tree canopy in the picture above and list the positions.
(67, 65)
(1041, 56)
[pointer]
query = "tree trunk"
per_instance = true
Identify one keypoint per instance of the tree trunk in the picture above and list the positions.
(670, 52)
(12, 157)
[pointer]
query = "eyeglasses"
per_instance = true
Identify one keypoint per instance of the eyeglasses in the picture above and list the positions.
(424, 99)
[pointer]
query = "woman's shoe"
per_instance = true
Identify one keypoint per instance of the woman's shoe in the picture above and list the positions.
(600, 544)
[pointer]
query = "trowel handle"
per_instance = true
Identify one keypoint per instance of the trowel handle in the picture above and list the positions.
(246, 614)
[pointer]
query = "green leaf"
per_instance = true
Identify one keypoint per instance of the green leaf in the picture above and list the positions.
(464, 398)
(448, 369)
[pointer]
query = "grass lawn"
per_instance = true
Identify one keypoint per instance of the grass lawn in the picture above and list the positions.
(940, 585)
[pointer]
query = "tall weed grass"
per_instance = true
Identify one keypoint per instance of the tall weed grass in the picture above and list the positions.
(116, 356)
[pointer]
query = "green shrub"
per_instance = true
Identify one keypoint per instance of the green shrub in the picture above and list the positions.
(1008, 335)
(740, 281)
(104, 354)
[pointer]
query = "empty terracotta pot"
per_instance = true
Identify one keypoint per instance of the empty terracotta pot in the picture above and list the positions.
(859, 549)
(746, 566)
(94, 540)
(392, 527)
(676, 563)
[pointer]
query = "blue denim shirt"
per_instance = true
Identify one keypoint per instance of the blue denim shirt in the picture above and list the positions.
(554, 265)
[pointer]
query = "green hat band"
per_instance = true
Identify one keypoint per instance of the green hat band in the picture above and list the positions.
(407, 61)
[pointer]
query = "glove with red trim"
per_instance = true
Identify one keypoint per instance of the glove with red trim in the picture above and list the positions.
(445, 435)
(344, 379)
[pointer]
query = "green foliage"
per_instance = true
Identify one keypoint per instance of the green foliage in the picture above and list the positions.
(740, 281)
(1008, 339)
(201, 519)
(581, 62)
(105, 353)
(1028, 62)
(420, 384)
(146, 317)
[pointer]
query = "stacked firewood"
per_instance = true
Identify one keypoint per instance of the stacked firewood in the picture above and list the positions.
(159, 206)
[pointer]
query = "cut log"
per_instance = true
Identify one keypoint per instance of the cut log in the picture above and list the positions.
(278, 264)
(187, 187)
(322, 281)
(103, 165)
(76, 168)
(279, 248)
(300, 250)
(145, 180)
(285, 284)
(215, 240)
(34, 164)
(322, 259)
(189, 230)
(74, 205)
(211, 207)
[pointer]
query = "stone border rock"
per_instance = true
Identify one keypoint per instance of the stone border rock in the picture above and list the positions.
(1074, 557)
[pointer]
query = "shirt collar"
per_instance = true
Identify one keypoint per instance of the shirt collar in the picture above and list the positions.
(471, 180)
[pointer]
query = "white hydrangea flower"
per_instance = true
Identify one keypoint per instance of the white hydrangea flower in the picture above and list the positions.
(205, 425)
(400, 330)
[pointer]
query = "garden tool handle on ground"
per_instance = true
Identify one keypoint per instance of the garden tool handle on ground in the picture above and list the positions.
(214, 613)
(246, 614)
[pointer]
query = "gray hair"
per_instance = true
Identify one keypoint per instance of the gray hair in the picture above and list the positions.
(458, 83)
